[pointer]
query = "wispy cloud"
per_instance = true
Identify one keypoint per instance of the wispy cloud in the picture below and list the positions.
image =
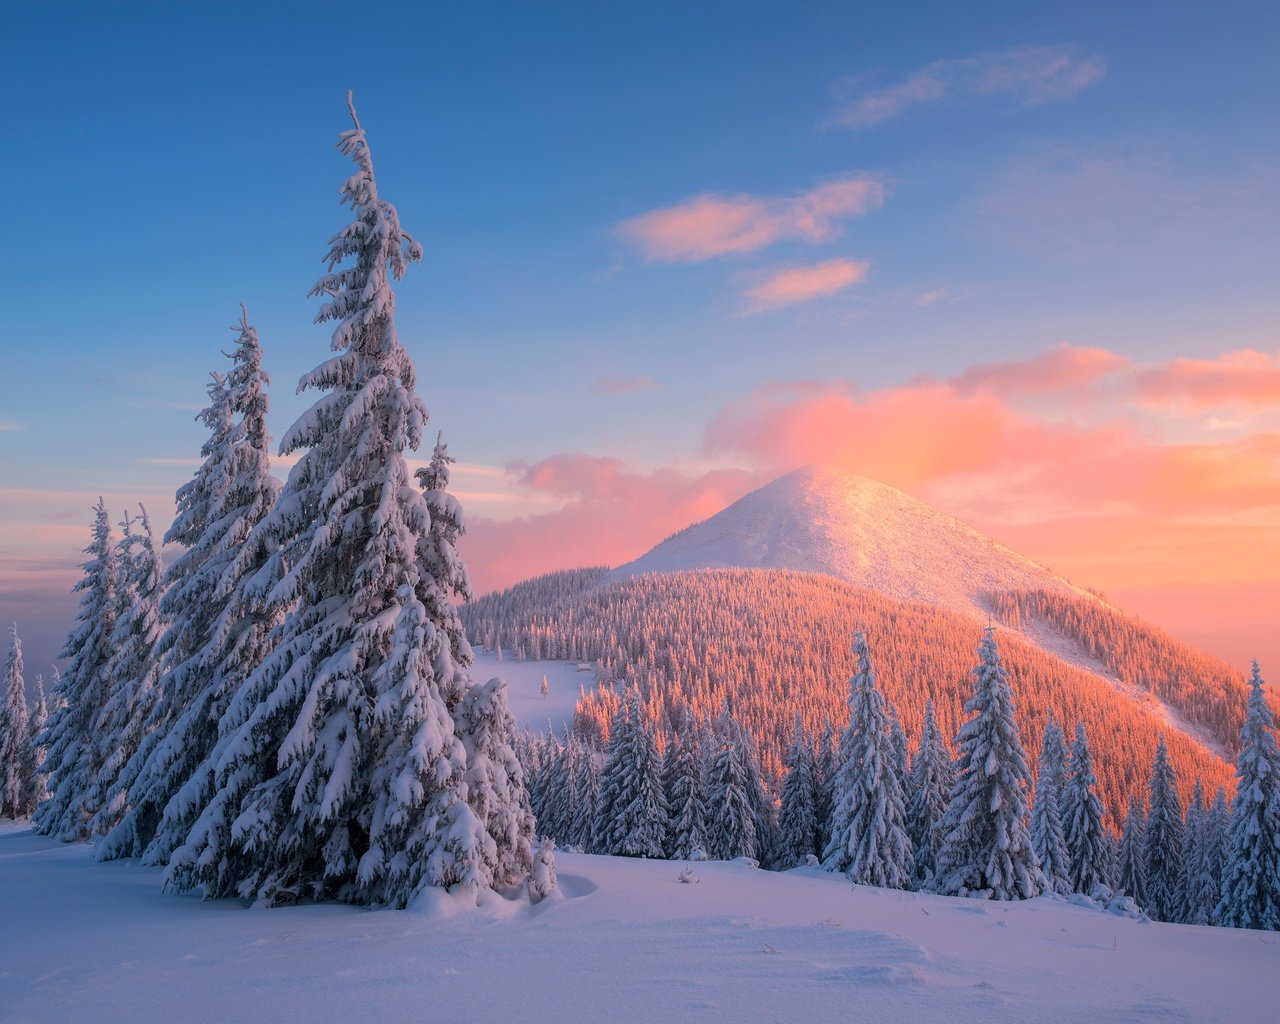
(1028, 75)
(706, 226)
(935, 296)
(803, 284)
(9, 426)
(620, 385)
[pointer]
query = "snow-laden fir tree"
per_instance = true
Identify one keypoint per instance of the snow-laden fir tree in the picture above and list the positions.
(1162, 844)
(18, 773)
(986, 847)
(1131, 863)
(38, 722)
(1048, 836)
(930, 787)
(868, 821)
(215, 634)
(684, 786)
(1217, 820)
(824, 771)
(898, 742)
(1251, 868)
(133, 670)
(798, 833)
(495, 784)
(73, 757)
(557, 802)
(631, 820)
(1200, 890)
(586, 785)
(346, 776)
(1088, 847)
(739, 813)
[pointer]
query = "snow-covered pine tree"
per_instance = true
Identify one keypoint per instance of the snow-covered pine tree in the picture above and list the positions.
(824, 772)
(346, 776)
(38, 722)
(731, 822)
(631, 820)
(1217, 822)
(586, 784)
(1251, 869)
(930, 788)
(1131, 864)
(1048, 837)
(1162, 846)
(868, 822)
(1200, 892)
(215, 634)
(684, 786)
(133, 670)
(495, 783)
(73, 757)
(17, 749)
(986, 847)
(798, 833)
(898, 741)
(1088, 848)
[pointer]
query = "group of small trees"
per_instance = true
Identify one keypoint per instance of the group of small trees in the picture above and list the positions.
(694, 793)
(287, 711)
(22, 779)
(963, 826)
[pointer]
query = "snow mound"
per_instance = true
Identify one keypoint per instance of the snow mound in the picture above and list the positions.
(823, 520)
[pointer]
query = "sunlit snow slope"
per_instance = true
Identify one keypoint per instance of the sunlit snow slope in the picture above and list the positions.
(866, 533)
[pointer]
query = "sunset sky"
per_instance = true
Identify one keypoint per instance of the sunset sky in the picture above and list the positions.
(1019, 260)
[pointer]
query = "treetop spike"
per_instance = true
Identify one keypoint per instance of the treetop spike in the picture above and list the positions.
(352, 108)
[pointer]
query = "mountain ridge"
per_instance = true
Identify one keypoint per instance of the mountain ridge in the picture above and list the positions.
(820, 519)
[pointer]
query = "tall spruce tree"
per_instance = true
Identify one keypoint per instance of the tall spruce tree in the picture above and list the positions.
(1162, 848)
(1088, 848)
(685, 788)
(798, 833)
(986, 846)
(346, 776)
(868, 824)
(631, 820)
(824, 773)
(731, 826)
(1131, 866)
(39, 721)
(73, 756)
(133, 670)
(17, 748)
(1200, 889)
(931, 780)
(214, 634)
(1048, 836)
(1251, 870)
(586, 783)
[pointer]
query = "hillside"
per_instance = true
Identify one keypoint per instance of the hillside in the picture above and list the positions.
(623, 941)
(825, 521)
(776, 644)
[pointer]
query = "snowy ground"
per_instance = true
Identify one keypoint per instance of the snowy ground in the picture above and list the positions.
(524, 688)
(81, 941)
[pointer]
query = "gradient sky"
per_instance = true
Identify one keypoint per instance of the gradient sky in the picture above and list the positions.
(1019, 260)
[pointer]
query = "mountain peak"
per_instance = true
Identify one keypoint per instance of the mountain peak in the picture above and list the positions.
(824, 520)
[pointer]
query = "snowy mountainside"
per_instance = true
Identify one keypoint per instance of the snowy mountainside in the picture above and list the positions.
(866, 533)
(624, 940)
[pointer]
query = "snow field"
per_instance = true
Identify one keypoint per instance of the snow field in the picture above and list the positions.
(625, 941)
(524, 681)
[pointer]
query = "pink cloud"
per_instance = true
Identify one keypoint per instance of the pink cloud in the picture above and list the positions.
(804, 284)
(611, 514)
(1063, 368)
(1029, 75)
(620, 385)
(707, 226)
(1245, 378)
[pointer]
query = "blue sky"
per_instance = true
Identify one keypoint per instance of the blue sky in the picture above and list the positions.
(169, 161)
